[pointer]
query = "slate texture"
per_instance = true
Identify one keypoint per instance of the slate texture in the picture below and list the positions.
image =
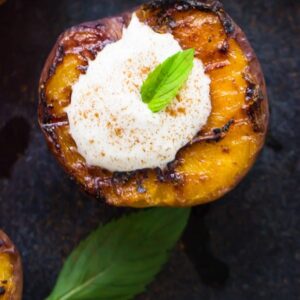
(243, 247)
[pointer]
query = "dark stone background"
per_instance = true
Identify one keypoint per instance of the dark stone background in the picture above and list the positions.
(245, 246)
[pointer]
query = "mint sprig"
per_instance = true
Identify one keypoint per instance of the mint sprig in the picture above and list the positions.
(121, 258)
(164, 82)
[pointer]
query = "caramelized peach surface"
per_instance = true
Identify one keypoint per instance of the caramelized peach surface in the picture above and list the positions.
(10, 270)
(219, 156)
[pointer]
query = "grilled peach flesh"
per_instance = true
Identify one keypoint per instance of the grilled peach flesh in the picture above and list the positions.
(218, 156)
(11, 276)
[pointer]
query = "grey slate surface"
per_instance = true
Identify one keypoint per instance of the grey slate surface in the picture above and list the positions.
(245, 246)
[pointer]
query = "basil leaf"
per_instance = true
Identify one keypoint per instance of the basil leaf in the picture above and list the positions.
(121, 258)
(164, 82)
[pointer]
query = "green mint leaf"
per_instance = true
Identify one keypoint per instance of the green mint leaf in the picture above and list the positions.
(165, 81)
(119, 259)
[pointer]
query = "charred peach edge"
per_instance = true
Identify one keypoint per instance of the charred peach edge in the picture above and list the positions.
(11, 274)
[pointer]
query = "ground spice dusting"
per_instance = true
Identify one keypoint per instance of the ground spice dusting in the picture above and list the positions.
(181, 110)
(118, 132)
(178, 98)
(124, 126)
(174, 112)
(145, 70)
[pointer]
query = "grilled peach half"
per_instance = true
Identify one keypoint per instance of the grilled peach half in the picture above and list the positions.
(11, 276)
(219, 155)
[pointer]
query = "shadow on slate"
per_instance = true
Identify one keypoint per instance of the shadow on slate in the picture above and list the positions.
(196, 239)
(14, 139)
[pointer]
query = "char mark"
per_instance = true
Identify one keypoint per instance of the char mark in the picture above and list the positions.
(213, 6)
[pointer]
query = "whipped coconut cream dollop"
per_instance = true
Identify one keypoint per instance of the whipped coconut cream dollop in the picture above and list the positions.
(110, 124)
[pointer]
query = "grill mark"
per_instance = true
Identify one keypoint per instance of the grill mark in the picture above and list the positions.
(215, 135)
